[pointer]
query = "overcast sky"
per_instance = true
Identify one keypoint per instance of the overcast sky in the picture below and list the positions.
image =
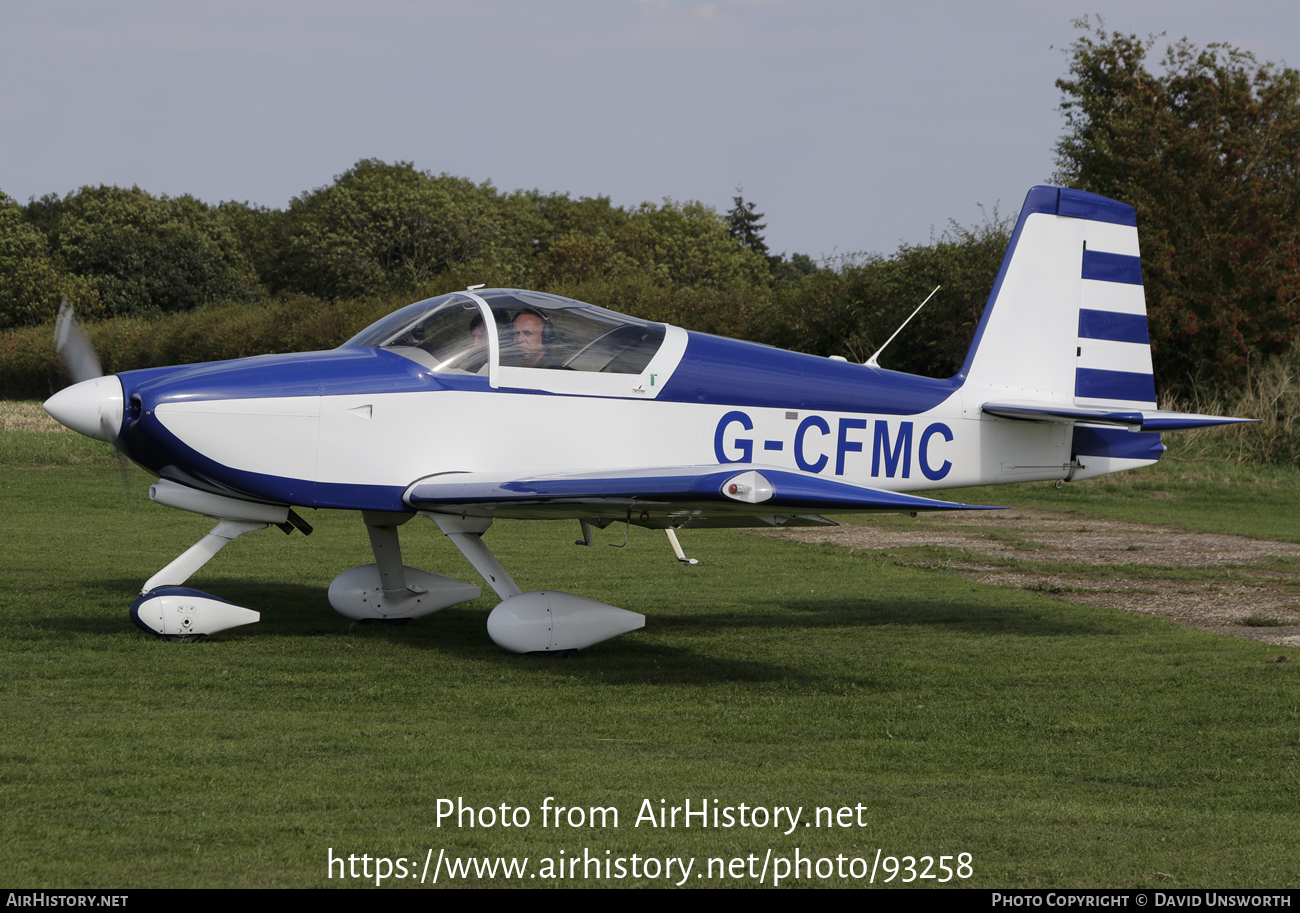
(853, 125)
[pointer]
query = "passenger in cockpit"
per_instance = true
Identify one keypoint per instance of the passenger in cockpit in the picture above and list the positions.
(476, 360)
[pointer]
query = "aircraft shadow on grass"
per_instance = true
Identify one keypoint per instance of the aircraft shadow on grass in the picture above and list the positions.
(292, 613)
(459, 632)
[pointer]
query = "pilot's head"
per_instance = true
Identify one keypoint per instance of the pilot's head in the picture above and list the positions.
(533, 335)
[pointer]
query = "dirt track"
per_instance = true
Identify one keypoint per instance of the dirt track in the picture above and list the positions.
(1129, 566)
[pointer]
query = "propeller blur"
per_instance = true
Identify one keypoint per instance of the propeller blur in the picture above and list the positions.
(494, 404)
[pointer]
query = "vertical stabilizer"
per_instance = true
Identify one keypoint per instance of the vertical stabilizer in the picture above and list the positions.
(1065, 330)
(1066, 321)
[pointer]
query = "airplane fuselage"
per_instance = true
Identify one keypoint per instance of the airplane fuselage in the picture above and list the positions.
(352, 428)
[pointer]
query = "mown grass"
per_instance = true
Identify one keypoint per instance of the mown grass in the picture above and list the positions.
(1193, 492)
(1058, 744)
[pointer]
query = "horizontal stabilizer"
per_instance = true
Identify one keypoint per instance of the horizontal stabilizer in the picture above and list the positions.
(729, 489)
(1133, 419)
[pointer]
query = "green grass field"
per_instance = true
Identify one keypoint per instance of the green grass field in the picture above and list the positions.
(1057, 744)
(1211, 495)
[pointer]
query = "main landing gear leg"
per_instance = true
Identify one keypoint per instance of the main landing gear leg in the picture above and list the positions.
(467, 535)
(539, 621)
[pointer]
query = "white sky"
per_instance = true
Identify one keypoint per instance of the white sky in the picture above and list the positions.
(852, 125)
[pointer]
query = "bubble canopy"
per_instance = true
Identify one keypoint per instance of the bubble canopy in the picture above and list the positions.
(466, 332)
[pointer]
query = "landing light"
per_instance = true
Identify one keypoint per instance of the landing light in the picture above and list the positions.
(751, 487)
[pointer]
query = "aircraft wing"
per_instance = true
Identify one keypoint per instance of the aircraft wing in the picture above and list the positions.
(680, 496)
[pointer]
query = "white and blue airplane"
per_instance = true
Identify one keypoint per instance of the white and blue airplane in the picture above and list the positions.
(507, 404)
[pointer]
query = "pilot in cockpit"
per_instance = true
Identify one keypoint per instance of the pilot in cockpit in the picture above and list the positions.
(531, 339)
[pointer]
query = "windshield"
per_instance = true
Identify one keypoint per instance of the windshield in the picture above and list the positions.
(445, 334)
(534, 330)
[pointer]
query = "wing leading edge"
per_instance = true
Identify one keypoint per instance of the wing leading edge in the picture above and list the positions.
(712, 495)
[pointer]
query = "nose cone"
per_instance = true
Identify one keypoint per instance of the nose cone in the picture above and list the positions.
(93, 407)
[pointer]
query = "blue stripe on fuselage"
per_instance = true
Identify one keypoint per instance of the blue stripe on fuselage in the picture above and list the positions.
(347, 370)
(728, 372)
(713, 370)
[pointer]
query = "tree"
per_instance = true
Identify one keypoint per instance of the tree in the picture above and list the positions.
(743, 224)
(853, 308)
(578, 242)
(149, 255)
(1208, 152)
(383, 227)
(31, 285)
(688, 244)
(791, 270)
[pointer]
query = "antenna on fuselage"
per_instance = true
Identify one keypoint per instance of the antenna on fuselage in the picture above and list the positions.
(871, 362)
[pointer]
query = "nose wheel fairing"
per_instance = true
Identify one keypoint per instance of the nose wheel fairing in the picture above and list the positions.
(184, 614)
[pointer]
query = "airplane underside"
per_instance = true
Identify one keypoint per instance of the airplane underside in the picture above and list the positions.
(537, 621)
